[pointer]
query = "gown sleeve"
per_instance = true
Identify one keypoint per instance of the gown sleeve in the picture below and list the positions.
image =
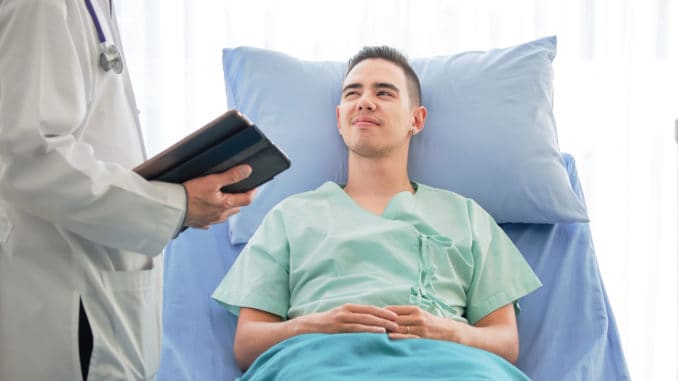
(500, 273)
(259, 278)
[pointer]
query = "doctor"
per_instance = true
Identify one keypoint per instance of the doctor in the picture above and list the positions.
(80, 233)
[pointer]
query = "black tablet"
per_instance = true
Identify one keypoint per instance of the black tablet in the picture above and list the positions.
(227, 141)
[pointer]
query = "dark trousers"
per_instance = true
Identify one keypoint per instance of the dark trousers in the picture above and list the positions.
(85, 342)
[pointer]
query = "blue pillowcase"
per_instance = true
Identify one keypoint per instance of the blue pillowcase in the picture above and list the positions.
(490, 134)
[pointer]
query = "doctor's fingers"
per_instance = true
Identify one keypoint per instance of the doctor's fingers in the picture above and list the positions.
(235, 200)
(204, 210)
(227, 213)
(233, 175)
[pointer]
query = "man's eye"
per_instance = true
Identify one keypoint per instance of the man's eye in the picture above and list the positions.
(382, 93)
(349, 93)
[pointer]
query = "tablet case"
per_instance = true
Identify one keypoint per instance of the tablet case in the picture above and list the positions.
(227, 141)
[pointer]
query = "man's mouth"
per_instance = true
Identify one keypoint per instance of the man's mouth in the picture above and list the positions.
(365, 121)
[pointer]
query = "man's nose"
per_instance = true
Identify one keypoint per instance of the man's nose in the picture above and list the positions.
(366, 104)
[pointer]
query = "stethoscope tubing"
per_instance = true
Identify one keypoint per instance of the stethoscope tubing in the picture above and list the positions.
(95, 19)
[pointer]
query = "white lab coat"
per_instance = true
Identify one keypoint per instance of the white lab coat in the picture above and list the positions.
(75, 222)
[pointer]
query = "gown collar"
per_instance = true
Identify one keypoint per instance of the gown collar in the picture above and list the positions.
(401, 202)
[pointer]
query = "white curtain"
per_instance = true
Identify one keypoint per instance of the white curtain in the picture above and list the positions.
(616, 99)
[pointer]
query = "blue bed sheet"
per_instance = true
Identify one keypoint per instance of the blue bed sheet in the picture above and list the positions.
(375, 357)
(567, 328)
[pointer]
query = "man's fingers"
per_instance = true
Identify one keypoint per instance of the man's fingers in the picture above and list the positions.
(400, 336)
(367, 320)
(366, 328)
(234, 175)
(402, 310)
(372, 310)
(375, 321)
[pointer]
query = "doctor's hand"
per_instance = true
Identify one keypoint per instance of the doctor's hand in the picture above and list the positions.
(349, 318)
(207, 205)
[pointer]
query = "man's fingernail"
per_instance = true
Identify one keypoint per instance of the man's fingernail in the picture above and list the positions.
(245, 171)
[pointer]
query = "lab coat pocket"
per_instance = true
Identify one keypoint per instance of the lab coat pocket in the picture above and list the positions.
(132, 347)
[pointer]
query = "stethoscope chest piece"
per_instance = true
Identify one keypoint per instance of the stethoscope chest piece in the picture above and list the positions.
(110, 59)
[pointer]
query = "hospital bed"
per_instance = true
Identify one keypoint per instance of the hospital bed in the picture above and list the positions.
(567, 328)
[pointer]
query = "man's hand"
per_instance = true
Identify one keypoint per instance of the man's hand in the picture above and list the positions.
(415, 322)
(349, 318)
(207, 205)
(497, 332)
(259, 330)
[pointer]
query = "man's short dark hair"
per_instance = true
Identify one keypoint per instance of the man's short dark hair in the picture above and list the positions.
(392, 55)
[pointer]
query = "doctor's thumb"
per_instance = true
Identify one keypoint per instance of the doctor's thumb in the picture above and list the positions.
(235, 174)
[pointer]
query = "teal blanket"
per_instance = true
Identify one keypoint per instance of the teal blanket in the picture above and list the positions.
(368, 356)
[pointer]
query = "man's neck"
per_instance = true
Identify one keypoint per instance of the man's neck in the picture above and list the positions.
(377, 178)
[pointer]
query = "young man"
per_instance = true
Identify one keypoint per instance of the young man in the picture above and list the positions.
(381, 254)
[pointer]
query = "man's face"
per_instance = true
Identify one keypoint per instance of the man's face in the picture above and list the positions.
(375, 113)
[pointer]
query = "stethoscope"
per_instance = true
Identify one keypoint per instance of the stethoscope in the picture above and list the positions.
(110, 58)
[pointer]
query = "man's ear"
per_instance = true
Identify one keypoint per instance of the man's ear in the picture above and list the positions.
(418, 119)
(338, 120)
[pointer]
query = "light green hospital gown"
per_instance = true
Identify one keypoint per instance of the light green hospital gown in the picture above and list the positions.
(435, 249)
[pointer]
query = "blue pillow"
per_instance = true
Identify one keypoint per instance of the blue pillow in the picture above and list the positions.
(490, 133)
